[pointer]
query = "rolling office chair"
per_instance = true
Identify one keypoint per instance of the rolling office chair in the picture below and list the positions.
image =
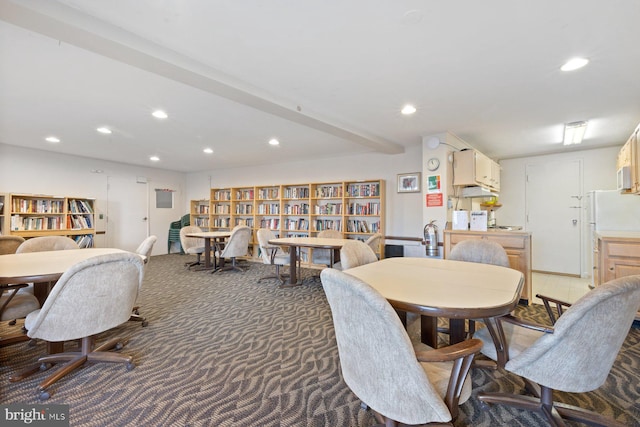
(271, 255)
(236, 246)
(191, 245)
(144, 249)
(575, 355)
(91, 297)
(380, 365)
(355, 253)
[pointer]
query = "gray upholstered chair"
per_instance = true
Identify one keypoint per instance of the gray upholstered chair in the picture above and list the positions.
(191, 245)
(323, 256)
(16, 305)
(574, 356)
(374, 242)
(271, 254)
(355, 253)
(380, 365)
(481, 251)
(144, 249)
(9, 244)
(91, 297)
(42, 244)
(236, 246)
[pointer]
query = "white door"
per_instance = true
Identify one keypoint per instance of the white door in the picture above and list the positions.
(127, 212)
(553, 206)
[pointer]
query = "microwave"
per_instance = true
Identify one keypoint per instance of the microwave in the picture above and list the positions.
(623, 178)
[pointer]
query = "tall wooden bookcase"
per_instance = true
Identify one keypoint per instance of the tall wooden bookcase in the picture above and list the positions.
(355, 208)
(33, 215)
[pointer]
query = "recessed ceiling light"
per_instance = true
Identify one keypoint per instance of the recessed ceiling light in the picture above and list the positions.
(408, 110)
(274, 141)
(574, 64)
(208, 150)
(52, 139)
(154, 158)
(104, 130)
(159, 114)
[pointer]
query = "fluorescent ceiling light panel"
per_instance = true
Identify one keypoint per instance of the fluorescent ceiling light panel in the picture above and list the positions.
(574, 132)
(154, 158)
(208, 150)
(159, 114)
(274, 142)
(104, 130)
(52, 139)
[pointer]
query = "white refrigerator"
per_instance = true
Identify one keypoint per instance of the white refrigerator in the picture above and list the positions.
(608, 210)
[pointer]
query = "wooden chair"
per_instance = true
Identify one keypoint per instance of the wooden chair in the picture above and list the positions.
(380, 365)
(575, 355)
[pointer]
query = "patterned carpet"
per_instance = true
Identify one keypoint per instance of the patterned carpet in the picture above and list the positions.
(224, 350)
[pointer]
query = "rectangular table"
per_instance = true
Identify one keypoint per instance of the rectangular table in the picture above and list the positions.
(209, 237)
(295, 243)
(444, 288)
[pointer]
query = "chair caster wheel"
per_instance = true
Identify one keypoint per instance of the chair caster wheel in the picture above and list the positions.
(145, 323)
(32, 343)
(13, 322)
(44, 366)
(43, 395)
(130, 366)
(119, 346)
(136, 312)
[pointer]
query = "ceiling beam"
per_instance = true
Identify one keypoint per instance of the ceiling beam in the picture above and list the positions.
(71, 26)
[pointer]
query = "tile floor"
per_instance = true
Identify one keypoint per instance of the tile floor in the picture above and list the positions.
(561, 287)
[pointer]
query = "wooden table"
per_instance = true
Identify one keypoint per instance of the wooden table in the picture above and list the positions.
(295, 243)
(210, 236)
(42, 268)
(444, 288)
(45, 266)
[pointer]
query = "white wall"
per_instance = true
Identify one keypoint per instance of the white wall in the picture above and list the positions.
(31, 171)
(403, 210)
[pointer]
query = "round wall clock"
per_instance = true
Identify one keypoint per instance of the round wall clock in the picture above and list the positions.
(433, 164)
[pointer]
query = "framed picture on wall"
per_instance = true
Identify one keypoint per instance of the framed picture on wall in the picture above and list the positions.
(409, 182)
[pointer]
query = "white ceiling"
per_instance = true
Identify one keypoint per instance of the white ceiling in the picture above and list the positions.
(325, 77)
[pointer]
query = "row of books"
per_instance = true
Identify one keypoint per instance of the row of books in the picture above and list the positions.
(245, 221)
(84, 240)
(80, 206)
(221, 222)
(201, 209)
(269, 209)
(301, 209)
(328, 191)
(268, 193)
(363, 190)
(329, 209)
(37, 206)
(221, 209)
(79, 221)
(358, 226)
(244, 195)
(19, 223)
(244, 209)
(201, 222)
(296, 192)
(292, 224)
(328, 224)
(273, 223)
(364, 208)
(222, 195)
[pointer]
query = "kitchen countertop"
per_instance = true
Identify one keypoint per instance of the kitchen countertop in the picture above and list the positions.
(618, 234)
(492, 231)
